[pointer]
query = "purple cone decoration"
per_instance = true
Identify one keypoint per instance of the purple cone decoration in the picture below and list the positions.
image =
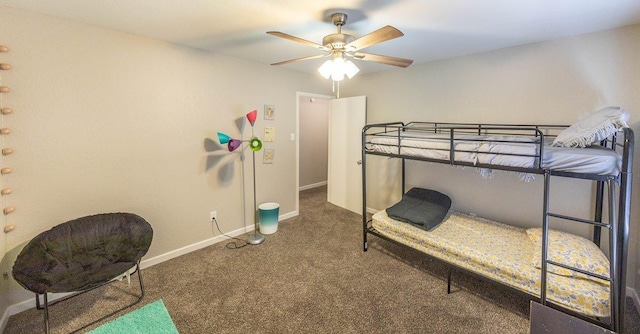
(234, 144)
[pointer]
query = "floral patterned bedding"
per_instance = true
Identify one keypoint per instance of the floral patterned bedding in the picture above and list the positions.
(500, 252)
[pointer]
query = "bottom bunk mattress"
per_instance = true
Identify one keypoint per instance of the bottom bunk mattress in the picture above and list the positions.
(503, 253)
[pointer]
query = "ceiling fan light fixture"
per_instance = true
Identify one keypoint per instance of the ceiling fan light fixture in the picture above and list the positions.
(337, 68)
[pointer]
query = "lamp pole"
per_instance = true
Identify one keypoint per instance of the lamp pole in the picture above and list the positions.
(257, 238)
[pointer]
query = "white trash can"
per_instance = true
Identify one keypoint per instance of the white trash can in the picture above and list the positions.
(269, 217)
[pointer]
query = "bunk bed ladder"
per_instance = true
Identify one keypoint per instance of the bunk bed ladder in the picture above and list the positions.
(612, 225)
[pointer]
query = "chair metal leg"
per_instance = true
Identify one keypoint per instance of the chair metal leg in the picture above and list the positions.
(46, 305)
(449, 281)
(46, 313)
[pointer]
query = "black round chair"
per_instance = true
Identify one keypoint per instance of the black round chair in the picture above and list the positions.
(83, 254)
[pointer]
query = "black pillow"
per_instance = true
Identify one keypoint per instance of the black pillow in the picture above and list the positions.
(422, 208)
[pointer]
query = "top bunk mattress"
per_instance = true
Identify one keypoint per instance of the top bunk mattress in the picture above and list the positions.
(497, 150)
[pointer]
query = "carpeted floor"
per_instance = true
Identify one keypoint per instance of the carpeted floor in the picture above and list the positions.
(310, 277)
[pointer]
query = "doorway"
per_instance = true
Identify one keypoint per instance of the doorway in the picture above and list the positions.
(316, 116)
(312, 115)
(313, 138)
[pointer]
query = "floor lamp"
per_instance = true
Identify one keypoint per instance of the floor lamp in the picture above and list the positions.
(255, 145)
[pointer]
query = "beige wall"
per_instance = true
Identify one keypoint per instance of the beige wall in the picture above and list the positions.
(314, 142)
(106, 121)
(550, 82)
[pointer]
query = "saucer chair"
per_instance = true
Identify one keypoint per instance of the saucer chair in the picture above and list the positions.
(81, 255)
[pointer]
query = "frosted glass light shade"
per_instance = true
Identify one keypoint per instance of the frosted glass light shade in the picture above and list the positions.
(337, 73)
(325, 69)
(350, 69)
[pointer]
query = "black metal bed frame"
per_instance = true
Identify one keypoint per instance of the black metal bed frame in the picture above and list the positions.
(618, 224)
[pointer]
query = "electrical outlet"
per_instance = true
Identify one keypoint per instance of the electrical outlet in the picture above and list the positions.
(213, 215)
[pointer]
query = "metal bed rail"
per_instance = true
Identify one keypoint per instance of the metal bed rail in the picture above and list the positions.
(539, 135)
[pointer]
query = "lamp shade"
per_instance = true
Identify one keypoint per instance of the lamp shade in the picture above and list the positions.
(234, 144)
(255, 144)
(325, 69)
(350, 69)
(222, 138)
(251, 116)
(337, 73)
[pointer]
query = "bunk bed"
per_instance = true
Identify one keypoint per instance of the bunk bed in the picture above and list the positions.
(582, 282)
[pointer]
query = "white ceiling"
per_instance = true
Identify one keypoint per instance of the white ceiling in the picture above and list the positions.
(434, 29)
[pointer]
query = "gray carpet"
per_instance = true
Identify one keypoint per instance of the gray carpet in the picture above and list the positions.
(310, 277)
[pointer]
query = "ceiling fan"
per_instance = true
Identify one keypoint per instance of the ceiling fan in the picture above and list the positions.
(343, 47)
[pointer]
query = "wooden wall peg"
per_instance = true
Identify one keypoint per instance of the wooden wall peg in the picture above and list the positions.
(7, 151)
(4, 48)
(4, 89)
(5, 131)
(5, 67)
(8, 210)
(6, 191)
(6, 170)
(6, 111)
(9, 228)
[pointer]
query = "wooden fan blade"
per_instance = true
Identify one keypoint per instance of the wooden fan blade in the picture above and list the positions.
(383, 34)
(299, 59)
(297, 39)
(395, 61)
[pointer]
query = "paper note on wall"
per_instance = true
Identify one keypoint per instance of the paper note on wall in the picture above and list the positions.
(269, 134)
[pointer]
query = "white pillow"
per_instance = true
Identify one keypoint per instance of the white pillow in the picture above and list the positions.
(593, 128)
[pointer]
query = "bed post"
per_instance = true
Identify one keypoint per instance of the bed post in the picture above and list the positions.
(623, 227)
(403, 177)
(364, 190)
(597, 230)
(614, 296)
(545, 238)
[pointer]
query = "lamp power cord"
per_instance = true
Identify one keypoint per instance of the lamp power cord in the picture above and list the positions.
(232, 244)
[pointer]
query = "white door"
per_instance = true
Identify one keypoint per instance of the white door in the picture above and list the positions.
(347, 117)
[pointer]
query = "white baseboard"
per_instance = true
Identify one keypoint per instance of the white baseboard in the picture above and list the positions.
(288, 215)
(314, 185)
(204, 243)
(193, 247)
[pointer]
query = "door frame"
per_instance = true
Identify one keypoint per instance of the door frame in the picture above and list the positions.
(297, 183)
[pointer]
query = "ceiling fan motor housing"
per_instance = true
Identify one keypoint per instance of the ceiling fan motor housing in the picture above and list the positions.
(337, 41)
